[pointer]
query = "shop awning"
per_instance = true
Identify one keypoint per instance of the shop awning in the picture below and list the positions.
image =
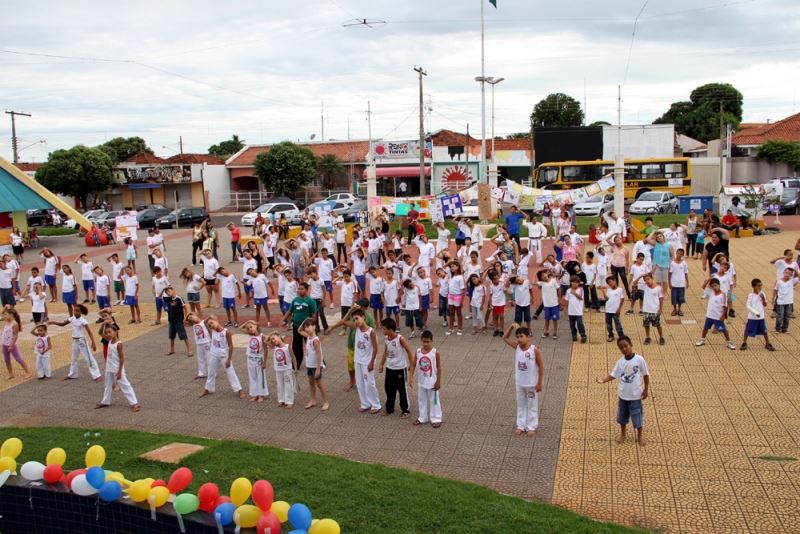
(16, 196)
(399, 172)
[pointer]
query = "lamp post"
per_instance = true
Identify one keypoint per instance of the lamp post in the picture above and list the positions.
(493, 82)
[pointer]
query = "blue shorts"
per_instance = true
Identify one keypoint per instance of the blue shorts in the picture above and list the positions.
(260, 302)
(88, 284)
(362, 282)
(425, 302)
(68, 297)
(714, 322)
(392, 310)
(160, 304)
(50, 280)
(552, 313)
(192, 297)
(632, 410)
(248, 288)
(678, 295)
(131, 300)
(103, 302)
(328, 286)
(755, 327)
(375, 302)
(16, 285)
(177, 330)
(228, 304)
(285, 306)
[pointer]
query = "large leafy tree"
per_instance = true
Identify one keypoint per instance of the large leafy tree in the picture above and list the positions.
(557, 110)
(329, 167)
(516, 135)
(228, 148)
(122, 148)
(699, 116)
(787, 152)
(78, 172)
(286, 168)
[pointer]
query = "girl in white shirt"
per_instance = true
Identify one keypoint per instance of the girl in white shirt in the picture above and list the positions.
(131, 283)
(756, 316)
(68, 292)
(477, 299)
(115, 371)
(80, 327)
(285, 365)
(443, 284)
(194, 284)
(497, 290)
(423, 282)
(455, 294)
(411, 306)
(261, 287)
(359, 269)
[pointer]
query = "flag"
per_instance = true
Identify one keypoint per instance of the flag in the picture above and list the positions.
(451, 205)
(493, 2)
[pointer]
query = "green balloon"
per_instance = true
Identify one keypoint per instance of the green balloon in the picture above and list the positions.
(186, 503)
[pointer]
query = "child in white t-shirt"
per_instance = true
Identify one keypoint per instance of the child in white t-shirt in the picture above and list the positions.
(652, 303)
(574, 299)
(716, 312)
(528, 375)
(783, 299)
(443, 285)
(634, 387)
(391, 289)
(678, 282)
(614, 297)
(756, 318)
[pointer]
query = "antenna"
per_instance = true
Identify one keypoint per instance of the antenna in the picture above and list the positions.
(363, 23)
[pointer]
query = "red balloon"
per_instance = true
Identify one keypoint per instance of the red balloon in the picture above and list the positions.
(263, 494)
(72, 475)
(221, 499)
(207, 506)
(53, 473)
(208, 492)
(157, 483)
(180, 480)
(268, 520)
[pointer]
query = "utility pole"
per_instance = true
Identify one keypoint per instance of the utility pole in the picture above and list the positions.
(372, 187)
(180, 143)
(721, 151)
(421, 73)
(14, 145)
(482, 173)
(322, 122)
(619, 163)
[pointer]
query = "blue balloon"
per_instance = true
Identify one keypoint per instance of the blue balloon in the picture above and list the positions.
(96, 477)
(225, 511)
(110, 491)
(300, 516)
(299, 531)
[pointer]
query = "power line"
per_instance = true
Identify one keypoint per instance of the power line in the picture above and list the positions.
(633, 36)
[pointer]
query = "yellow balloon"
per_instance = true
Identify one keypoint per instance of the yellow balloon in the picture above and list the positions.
(324, 526)
(160, 495)
(118, 477)
(139, 490)
(240, 491)
(56, 456)
(95, 456)
(12, 447)
(7, 463)
(281, 509)
(246, 516)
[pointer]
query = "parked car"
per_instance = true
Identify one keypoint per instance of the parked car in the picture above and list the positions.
(652, 202)
(147, 218)
(186, 217)
(351, 213)
(91, 215)
(276, 209)
(41, 217)
(108, 217)
(789, 199)
(470, 209)
(772, 185)
(345, 198)
(143, 207)
(593, 205)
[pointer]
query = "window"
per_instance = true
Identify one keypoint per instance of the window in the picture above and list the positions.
(548, 175)
(675, 170)
(651, 170)
(580, 173)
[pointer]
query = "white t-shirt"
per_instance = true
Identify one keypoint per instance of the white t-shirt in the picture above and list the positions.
(281, 361)
(755, 303)
(194, 284)
(522, 293)
(201, 334)
(116, 270)
(590, 270)
(630, 375)
(131, 284)
(716, 303)
(456, 285)
(785, 291)
(442, 238)
(677, 273)
(38, 302)
(575, 302)
(341, 235)
(444, 285)
(112, 359)
(526, 372)
(162, 263)
(426, 254)
(536, 230)
(478, 294)
(411, 298)
(348, 290)
(77, 324)
(781, 265)
(316, 288)
(260, 286)
(614, 299)
(40, 346)
(33, 280)
(426, 370)
(359, 266)
(522, 267)
(498, 293)
(247, 264)
(325, 269)
(290, 291)
(210, 266)
(101, 284)
(159, 285)
(549, 293)
(362, 348)
(312, 360)
(396, 357)
(67, 283)
(375, 284)
(652, 296)
(638, 271)
(50, 265)
(86, 270)
(642, 248)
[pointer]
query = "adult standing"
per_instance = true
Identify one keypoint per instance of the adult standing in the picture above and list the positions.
(211, 238)
(691, 233)
(236, 235)
(537, 231)
(17, 244)
(719, 242)
(620, 262)
(152, 244)
(197, 241)
(514, 223)
(413, 217)
(616, 225)
(662, 258)
(442, 237)
(301, 308)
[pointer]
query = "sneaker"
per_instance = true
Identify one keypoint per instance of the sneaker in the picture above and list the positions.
(731, 313)
(574, 339)
(584, 340)
(449, 332)
(459, 333)
(545, 335)
(236, 324)
(496, 333)
(700, 342)
(661, 341)
(445, 324)
(680, 313)
(228, 324)
(629, 312)
(770, 348)
(555, 336)
(647, 340)
(731, 345)
(610, 339)
(743, 346)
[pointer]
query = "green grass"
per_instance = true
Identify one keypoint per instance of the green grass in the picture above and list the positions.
(361, 497)
(55, 230)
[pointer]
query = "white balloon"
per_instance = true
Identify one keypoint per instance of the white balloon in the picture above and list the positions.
(82, 487)
(32, 470)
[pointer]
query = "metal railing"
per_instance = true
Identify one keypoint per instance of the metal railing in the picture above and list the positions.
(249, 200)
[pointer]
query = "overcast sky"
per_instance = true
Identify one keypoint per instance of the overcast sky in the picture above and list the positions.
(207, 69)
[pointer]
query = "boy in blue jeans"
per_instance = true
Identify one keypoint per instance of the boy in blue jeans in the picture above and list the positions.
(634, 386)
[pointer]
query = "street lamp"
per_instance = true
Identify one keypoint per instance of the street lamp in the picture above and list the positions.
(492, 81)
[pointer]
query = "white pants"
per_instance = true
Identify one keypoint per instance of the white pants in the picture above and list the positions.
(215, 361)
(535, 246)
(367, 391)
(285, 380)
(257, 378)
(429, 402)
(124, 386)
(43, 365)
(527, 409)
(202, 359)
(79, 347)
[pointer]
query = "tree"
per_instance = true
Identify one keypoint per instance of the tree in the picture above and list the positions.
(77, 172)
(226, 149)
(787, 152)
(699, 116)
(557, 110)
(122, 148)
(599, 123)
(517, 135)
(286, 168)
(330, 167)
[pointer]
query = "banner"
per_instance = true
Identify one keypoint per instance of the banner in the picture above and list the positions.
(126, 226)
(451, 205)
(399, 149)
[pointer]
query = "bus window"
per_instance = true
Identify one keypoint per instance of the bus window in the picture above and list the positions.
(580, 173)
(675, 170)
(548, 175)
(651, 170)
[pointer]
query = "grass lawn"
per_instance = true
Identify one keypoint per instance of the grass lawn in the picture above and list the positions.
(56, 230)
(361, 497)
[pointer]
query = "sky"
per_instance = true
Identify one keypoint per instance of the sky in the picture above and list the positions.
(203, 70)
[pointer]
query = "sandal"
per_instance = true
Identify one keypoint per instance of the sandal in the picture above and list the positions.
(436, 425)
(417, 422)
(135, 408)
(310, 405)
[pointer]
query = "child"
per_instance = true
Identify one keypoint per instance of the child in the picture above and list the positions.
(423, 281)
(220, 355)
(316, 290)
(39, 304)
(285, 365)
(638, 270)
(550, 300)
(176, 317)
(614, 296)
(87, 278)
(68, 292)
(478, 297)
(194, 284)
(248, 264)
(290, 285)
(159, 283)
(390, 293)
(715, 314)
(634, 387)
(230, 291)
(375, 294)
(498, 292)
(106, 318)
(116, 272)
(348, 291)
(652, 304)
(783, 299)
(202, 342)
(366, 350)
(523, 294)
(756, 320)
(34, 279)
(131, 282)
(589, 269)
(325, 266)
(443, 282)
(261, 289)
(315, 363)
(359, 268)
(79, 330)
(574, 300)
(411, 304)
(256, 362)
(52, 264)
(528, 374)
(41, 348)
(457, 287)
(159, 260)
(11, 328)
(427, 366)
(130, 253)
(678, 282)
(396, 360)
(115, 372)
(210, 267)
(102, 288)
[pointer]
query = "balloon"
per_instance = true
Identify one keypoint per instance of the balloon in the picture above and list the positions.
(158, 483)
(82, 487)
(263, 494)
(71, 476)
(53, 473)
(208, 492)
(268, 520)
(139, 490)
(281, 509)
(186, 503)
(160, 496)
(11, 447)
(225, 511)
(7, 463)
(96, 477)
(325, 526)
(56, 456)
(240, 491)
(299, 531)
(95, 456)
(118, 477)
(246, 516)
(32, 470)
(300, 516)
(206, 506)
(180, 480)
(111, 491)
(222, 499)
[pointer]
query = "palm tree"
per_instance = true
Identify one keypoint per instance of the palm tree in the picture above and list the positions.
(330, 167)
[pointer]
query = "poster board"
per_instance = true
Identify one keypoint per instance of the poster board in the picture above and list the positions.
(485, 202)
(126, 226)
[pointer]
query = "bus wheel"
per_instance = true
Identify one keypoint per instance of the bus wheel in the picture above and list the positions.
(640, 192)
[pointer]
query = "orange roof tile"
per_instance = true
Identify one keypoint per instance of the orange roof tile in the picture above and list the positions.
(787, 129)
(144, 157)
(347, 151)
(28, 167)
(195, 158)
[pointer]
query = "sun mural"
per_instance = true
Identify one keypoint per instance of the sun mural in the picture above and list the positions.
(457, 174)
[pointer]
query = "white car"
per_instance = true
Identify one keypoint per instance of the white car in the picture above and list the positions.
(276, 209)
(348, 199)
(470, 209)
(593, 205)
(91, 215)
(652, 202)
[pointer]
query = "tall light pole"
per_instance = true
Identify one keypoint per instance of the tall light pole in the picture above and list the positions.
(483, 103)
(14, 140)
(493, 82)
(421, 73)
(483, 80)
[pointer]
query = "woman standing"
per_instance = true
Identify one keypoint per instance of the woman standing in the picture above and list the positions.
(16, 244)
(620, 263)
(197, 241)
(691, 233)
(662, 257)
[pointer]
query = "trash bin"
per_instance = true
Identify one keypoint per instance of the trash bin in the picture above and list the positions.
(695, 202)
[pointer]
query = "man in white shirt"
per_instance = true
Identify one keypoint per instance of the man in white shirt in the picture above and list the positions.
(536, 233)
(616, 225)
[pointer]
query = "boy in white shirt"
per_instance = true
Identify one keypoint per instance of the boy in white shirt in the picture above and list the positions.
(638, 270)
(523, 295)
(550, 302)
(497, 290)
(634, 387)
(574, 300)
(375, 294)
(325, 268)
(756, 318)
(230, 290)
(116, 273)
(528, 375)
(614, 296)
(651, 307)
(783, 299)
(678, 282)
(159, 284)
(443, 284)
(589, 269)
(715, 314)
(159, 260)
(87, 277)
(102, 288)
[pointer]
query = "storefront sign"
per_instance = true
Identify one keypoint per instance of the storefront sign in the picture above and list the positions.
(399, 150)
(156, 174)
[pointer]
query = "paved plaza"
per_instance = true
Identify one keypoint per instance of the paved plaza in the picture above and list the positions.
(723, 427)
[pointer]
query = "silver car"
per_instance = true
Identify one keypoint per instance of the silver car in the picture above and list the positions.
(593, 205)
(652, 202)
(276, 209)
